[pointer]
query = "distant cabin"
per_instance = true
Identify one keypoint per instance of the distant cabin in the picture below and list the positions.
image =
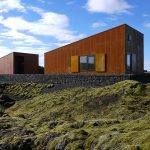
(19, 63)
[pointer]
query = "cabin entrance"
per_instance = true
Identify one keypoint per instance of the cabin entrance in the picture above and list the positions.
(19, 65)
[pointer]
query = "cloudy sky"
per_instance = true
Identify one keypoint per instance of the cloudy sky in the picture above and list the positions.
(37, 26)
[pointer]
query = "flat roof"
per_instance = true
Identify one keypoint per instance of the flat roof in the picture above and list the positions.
(17, 53)
(24, 53)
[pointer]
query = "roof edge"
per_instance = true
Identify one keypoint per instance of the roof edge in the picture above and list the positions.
(88, 37)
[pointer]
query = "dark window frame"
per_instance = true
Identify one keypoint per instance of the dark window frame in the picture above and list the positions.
(129, 37)
(87, 68)
(129, 67)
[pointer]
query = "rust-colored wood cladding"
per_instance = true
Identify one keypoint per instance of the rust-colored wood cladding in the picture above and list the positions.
(74, 64)
(7, 63)
(30, 63)
(112, 43)
(100, 63)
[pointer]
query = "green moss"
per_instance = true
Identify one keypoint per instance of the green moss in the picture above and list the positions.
(113, 117)
(26, 90)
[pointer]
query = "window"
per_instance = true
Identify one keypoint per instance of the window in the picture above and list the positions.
(129, 38)
(87, 63)
(129, 61)
(83, 63)
(91, 63)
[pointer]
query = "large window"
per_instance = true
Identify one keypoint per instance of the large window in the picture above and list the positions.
(129, 62)
(83, 63)
(87, 63)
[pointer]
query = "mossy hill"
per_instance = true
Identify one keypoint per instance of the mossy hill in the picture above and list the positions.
(115, 117)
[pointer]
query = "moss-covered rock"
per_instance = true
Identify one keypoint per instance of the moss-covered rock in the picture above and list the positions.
(23, 90)
(114, 117)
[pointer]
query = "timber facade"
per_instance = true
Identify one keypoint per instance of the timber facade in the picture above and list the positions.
(119, 50)
(19, 63)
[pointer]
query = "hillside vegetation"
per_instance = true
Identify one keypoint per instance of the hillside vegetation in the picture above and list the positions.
(115, 117)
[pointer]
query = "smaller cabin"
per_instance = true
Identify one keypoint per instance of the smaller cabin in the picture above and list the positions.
(19, 63)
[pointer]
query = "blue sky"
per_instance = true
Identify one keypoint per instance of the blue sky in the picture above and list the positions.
(38, 26)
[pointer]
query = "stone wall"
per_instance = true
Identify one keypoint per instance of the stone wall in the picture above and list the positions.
(66, 80)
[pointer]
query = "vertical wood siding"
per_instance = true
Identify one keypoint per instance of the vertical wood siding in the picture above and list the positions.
(7, 63)
(136, 48)
(112, 43)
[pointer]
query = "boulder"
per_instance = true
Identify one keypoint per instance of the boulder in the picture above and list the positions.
(6, 101)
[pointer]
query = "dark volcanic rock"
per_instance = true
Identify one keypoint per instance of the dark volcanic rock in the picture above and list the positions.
(6, 101)
(77, 125)
(25, 144)
(7, 147)
(1, 111)
(52, 125)
(61, 145)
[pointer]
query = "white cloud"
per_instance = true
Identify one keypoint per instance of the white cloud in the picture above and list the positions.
(147, 25)
(50, 24)
(18, 43)
(108, 6)
(15, 23)
(1, 18)
(26, 49)
(60, 44)
(4, 51)
(36, 10)
(7, 5)
(99, 24)
(39, 50)
(23, 35)
(15, 35)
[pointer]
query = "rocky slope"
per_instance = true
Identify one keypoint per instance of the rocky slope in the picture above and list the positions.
(115, 117)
